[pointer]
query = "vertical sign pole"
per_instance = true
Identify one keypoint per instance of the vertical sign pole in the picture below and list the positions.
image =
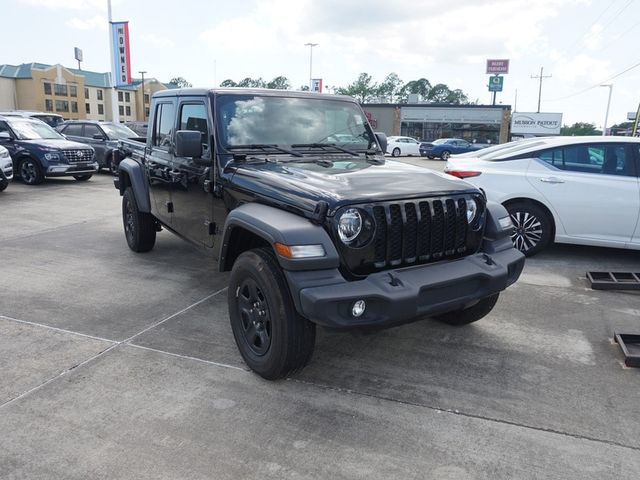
(114, 96)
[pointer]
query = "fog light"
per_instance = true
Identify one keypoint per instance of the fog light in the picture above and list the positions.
(358, 308)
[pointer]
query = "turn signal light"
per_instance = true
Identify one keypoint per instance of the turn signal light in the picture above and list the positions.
(299, 251)
(463, 173)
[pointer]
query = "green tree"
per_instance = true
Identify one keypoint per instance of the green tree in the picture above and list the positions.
(420, 87)
(228, 83)
(180, 82)
(363, 89)
(304, 88)
(580, 129)
(252, 83)
(279, 83)
(390, 87)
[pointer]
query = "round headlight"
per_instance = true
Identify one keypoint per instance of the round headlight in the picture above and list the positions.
(349, 225)
(472, 209)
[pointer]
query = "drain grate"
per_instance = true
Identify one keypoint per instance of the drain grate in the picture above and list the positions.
(614, 280)
(630, 345)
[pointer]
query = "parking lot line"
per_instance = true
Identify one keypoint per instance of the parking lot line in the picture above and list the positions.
(56, 329)
(187, 357)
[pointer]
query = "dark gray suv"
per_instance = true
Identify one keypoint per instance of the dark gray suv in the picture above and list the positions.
(102, 136)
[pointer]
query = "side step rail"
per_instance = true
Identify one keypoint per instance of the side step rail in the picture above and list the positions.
(614, 280)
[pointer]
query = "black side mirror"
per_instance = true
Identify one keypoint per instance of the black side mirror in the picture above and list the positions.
(97, 136)
(382, 140)
(188, 143)
(5, 137)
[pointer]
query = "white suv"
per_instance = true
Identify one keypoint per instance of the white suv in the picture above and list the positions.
(6, 168)
(580, 190)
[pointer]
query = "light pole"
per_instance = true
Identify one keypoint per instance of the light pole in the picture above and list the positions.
(144, 105)
(115, 117)
(606, 115)
(310, 45)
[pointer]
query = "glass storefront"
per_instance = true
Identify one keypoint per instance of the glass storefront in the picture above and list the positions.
(471, 132)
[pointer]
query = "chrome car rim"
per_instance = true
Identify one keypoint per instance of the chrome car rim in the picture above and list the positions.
(527, 232)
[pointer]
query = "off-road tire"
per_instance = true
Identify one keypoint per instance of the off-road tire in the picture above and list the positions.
(83, 178)
(139, 227)
(469, 315)
(533, 227)
(30, 171)
(273, 339)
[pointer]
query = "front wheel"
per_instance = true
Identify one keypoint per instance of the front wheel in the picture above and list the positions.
(82, 178)
(139, 227)
(532, 230)
(273, 339)
(471, 314)
(4, 183)
(30, 172)
(395, 152)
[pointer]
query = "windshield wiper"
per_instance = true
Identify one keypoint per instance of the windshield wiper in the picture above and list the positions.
(324, 146)
(265, 147)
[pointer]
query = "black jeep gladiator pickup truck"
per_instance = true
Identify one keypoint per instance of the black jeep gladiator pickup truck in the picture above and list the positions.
(291, 192)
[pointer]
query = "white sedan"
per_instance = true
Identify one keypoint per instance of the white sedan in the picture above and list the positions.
(397, 146)
(580, 190)
(7, 168)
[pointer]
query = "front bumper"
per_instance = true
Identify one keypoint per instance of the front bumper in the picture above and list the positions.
(63, 169)
(398, 296)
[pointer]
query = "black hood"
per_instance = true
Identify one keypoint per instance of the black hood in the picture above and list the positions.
(349, 182)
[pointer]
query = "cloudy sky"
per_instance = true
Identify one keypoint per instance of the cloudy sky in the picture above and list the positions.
(581, 43)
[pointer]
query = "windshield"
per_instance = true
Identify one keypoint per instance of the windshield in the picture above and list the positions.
(500, 151)
(51, 120)
(33, 130)
(117, 131)
(286, 121)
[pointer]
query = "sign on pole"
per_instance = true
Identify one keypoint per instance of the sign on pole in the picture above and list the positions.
(316, 85)
(498, 66)
(77, 53)
(536, 123)
(122, 56)
(496, 83)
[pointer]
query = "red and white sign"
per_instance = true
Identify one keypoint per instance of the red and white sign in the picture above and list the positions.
(316, 85)
(121, 53)
(498, 66)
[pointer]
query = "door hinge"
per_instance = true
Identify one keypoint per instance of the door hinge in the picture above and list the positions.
(170, 207)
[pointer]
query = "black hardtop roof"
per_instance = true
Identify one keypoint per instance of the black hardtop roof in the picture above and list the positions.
(187, 92)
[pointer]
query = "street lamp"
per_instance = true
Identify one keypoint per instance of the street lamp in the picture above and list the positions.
(606, 115)
(144, 106)
(310, 45)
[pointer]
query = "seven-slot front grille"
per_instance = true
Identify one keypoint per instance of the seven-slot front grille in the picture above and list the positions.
(419, 231)
(78, 155)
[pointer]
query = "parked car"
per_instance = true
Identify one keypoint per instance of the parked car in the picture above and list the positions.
(51, 119)
(139, 127)
(38, 151)
(102, 136)
(6, 168)
(580, 190)
(397, 146)
(444, 147)
(312, 232)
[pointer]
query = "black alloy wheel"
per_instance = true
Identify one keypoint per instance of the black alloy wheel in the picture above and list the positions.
(395, 152)
(30, 172)
(445, 155)
(532, 227)
(83, 178)
(255, 316)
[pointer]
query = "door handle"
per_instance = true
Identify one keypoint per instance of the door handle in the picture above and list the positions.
(551, 180)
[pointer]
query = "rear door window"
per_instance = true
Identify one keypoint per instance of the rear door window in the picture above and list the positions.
(163, 125)
(604, 158)
(90, 130)
(73, 129)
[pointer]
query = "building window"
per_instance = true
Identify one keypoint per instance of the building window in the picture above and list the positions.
(62, 106)
(47, 88)
(60, 90)
(74, 107)
(87, 107)
(73, 91)
(121, 110)
(86, 93)
(146, 112)
(99, 94)
(119, 96)
(127, 97)
(128, 110)
(100, 108)
(48, 105)
(146, 98)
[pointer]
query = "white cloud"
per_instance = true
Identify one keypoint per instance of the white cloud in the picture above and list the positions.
(582, 69)
(156, 40)
(70, 4)
(97, 22)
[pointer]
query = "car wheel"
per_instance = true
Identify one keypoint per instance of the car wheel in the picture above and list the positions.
(445, 155)
(83, 178)
(139, 227)
(533, 227)
(30, 172)
(4, 183)
(470, 314)
(430, 157)
(273, 339)
(395, 152)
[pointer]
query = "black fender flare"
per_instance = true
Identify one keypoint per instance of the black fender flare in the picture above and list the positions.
(279, 226)
(136, 178)
(496, 238)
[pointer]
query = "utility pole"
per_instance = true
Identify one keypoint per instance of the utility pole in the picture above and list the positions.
(541, 77)
(606, 115)
(144, 104)
(310, 45)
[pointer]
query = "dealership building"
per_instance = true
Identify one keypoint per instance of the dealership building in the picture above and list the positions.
(422, 121)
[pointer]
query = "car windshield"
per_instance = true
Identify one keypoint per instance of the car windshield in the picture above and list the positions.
(500, 151)
(252, 120)
(33, 130)
(115, 132)
(51, 120)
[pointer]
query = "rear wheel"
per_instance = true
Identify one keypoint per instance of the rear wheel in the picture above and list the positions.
(395, 152)
(82, 178)
(445, 155)
(139, 227)
(430, 157)
(533, 227)
(471, 314)
(30, 172)
(273, 339)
